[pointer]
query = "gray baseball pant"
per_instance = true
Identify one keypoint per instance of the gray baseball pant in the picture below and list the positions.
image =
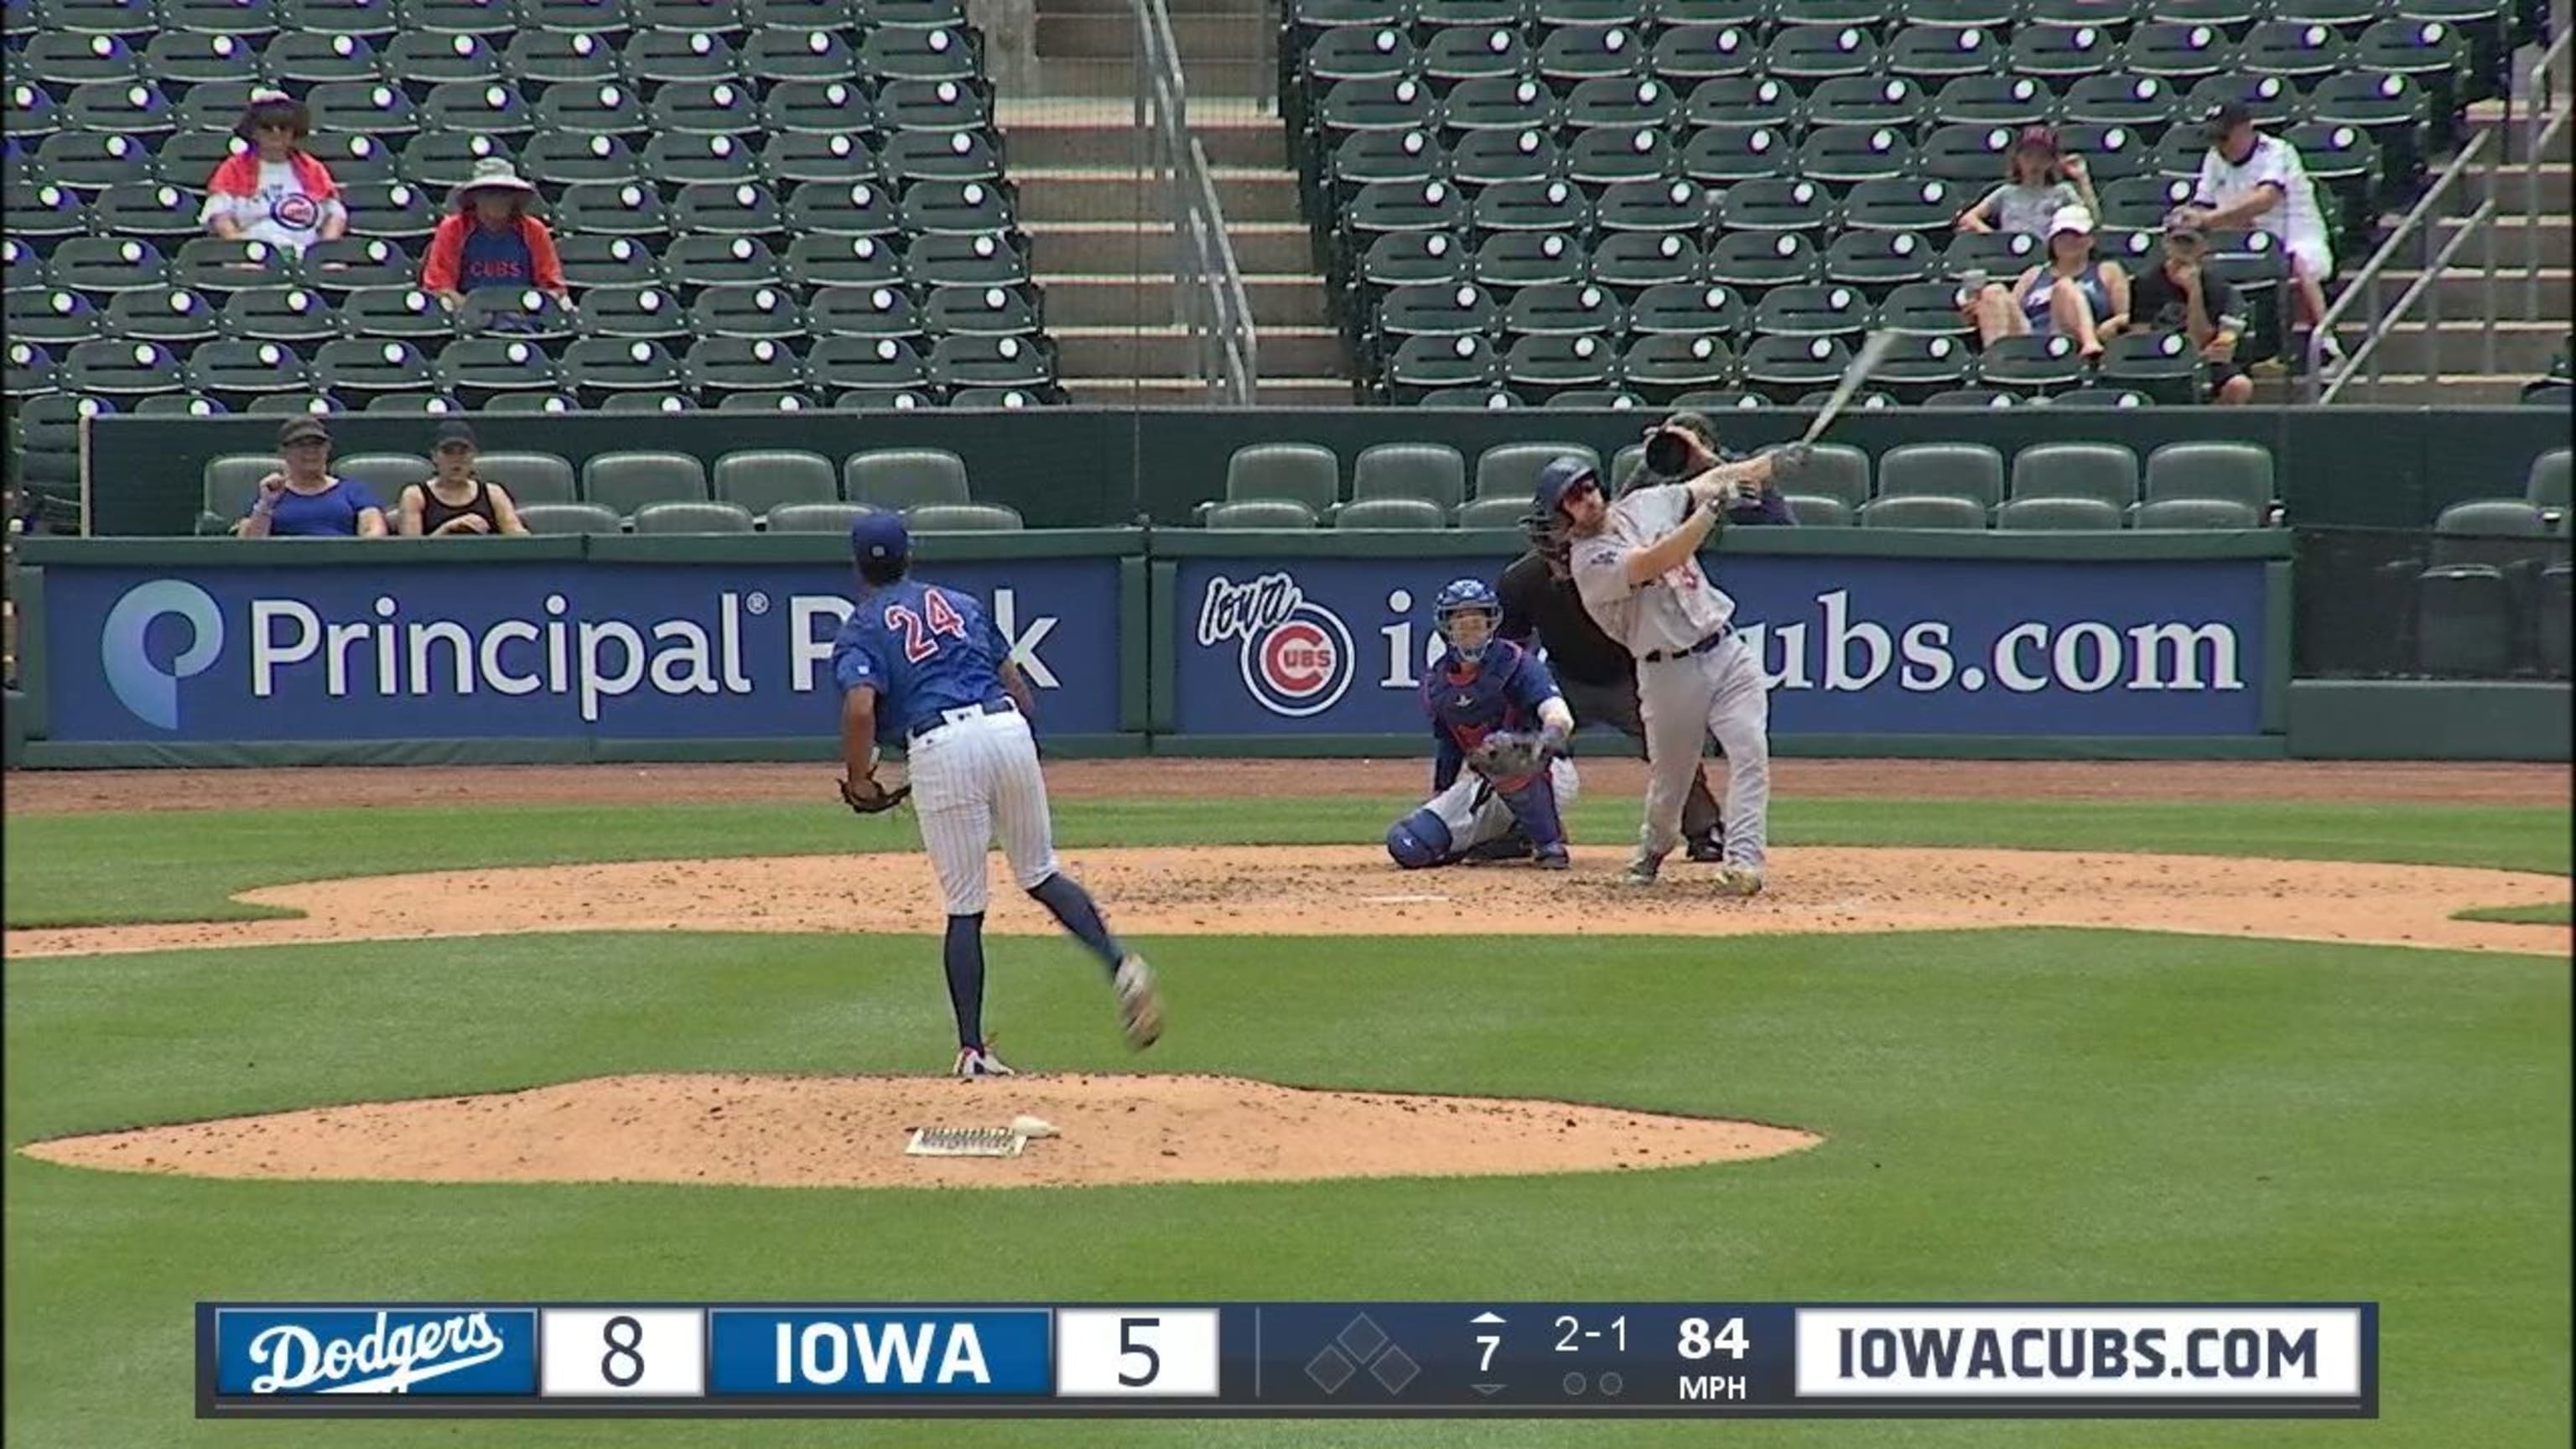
(1616, 705)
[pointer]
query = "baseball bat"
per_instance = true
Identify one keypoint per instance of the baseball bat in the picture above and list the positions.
(1873, 350)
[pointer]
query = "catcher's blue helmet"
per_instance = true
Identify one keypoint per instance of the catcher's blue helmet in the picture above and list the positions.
(1460, 596)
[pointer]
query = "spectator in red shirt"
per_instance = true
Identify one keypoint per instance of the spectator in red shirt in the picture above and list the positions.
(276, 191)
(487, 239)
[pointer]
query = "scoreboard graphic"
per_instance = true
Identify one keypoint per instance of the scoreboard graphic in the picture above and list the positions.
(1289, 1360)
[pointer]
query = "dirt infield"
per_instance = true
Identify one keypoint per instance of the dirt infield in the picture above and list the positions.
(1353, 891)
(60, 791)
(851, 1131)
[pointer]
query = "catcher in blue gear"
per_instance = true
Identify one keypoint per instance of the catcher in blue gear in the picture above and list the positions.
(1499, 777)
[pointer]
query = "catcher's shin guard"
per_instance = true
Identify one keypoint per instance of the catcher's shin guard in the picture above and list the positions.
(1532, 801)
(1419, 841)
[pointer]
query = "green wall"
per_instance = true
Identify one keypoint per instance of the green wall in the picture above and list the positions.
(1081, 467)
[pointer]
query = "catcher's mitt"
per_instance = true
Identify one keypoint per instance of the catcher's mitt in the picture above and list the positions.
(868, 797)
(1507, 756)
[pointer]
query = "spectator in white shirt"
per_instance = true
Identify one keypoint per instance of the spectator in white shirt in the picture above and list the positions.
(2249, 179)
(276, 191)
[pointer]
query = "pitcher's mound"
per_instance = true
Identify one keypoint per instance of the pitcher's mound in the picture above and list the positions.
(851, 1131)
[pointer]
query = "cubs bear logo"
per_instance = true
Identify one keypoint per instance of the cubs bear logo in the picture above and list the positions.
(1296, 655)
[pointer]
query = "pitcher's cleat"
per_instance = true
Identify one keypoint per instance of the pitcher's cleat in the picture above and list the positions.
(1643, 867)
(979, 1061)
(1140, 1009)
(1739, 880)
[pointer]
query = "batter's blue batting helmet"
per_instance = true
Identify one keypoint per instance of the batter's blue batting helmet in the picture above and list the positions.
(1556, 480)
(1458, 597)
(879, 538)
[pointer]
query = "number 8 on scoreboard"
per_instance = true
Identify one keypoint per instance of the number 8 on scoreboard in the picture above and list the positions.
(1136, 1353)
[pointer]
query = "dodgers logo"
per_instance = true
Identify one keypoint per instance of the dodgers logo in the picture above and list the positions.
(375, 1351)
(1296, 654)
(150, 690)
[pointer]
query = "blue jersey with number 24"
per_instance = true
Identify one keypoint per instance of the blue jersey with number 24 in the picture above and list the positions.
(924, 649)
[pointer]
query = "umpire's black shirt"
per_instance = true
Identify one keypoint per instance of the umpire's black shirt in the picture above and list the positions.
(1537, 602)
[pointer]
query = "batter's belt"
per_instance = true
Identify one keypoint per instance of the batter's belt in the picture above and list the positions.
(1658, 656)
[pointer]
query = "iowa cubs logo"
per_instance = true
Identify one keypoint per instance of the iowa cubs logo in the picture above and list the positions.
(296, 211)
(1296, 654)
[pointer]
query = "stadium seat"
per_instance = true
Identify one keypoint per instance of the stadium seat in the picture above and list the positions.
(338, 268)
(1663, 367)
(1507, 262)
(2105, 472)
(962, 518)
(814, 517)
(1812, 309)
(229, 483)
(692, 518)
(387, 474)
(1935, 56)
(1259, 513)
(626, 481)
(1740, 100)
(872, 370)
(403, 312)
(1428, 364)
(2162, 365)
(1301, 473)
(715, 366)
(521, 403)
(2193, 513)
(1838, 471)
(1756, 260)
(1382, 52)
(1722, 155)
(1814, 510)
(172, 315)
(1978, 397)
(2547, 484)
(1510, 470)
(31, 370)
(2010, 101)
(1635, 261)
(1778, 204)
(1973, 471)
(2058, 515)
(1403, 513)
(1879, 261)
(1783, 368)
(722, 163)
(720, 261)
(2100, 397)
(544, 57)
(530, 477)
(1904, 204)
(903, 478)
(2239, 472)
(355, 368)
(834, 312)
(2504, 532)
(2465, 621)
(1918, 366)
(414, 404)
(1617, 102)
(2031, 364)
(1928, 308)
(1610, 155)
(1490, 398)
(1564, 309)
(1845, 155)
(1923, 511)
(1493, 513)
(51, 317)
(278, 314)
(558, 518)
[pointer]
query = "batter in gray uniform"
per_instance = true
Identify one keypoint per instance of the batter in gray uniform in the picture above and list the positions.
(1637, 567)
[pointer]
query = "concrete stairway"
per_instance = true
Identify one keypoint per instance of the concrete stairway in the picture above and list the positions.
(2532, 321)
(1101, 230)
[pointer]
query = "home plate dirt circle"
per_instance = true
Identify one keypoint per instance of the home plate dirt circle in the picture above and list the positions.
(773, 1131)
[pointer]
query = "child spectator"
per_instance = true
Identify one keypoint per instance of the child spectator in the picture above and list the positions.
(487, 239)
(456, 501)
(274, 192)
(306, 501)
(2039, 182)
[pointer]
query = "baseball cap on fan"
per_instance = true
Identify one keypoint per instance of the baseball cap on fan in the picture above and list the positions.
(879, 538)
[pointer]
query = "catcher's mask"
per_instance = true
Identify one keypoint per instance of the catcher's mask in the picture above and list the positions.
(1466, 614)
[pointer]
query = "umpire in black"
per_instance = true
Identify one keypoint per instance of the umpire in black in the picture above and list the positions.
(1594, 672)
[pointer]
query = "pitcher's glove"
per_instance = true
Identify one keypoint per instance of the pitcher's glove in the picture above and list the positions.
(868, 797)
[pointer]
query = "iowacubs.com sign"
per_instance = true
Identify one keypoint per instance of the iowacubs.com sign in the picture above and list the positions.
(1849, 645)
(522, 651)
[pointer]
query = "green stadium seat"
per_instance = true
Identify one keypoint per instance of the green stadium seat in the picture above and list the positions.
(1510, 470)
(457, 17)
(1787, 367)
(693, 518)
(1936, 56)
(60, 60)
(1302, 473)
(715, 366)
(1637, 261)
(538, 57)
(2464, 621)
(2101, 397)
(2547, 484)
(120, 370)
(1564, 309)
(1917, 366)
(1367, 52)
(387, 474)
(1847, 155)
(414, 404)
(881, 368)
(2031, 364)
(559, 518)
(530, 477)
(962, 518)
(626, 481)
(814, 517)
(1813, 309)
(1777, 204)
(1432, 473)
(1869, 101)
(1923, 511)
(1737, 100)
(961, 155)
(1394, 513)
(2194, 513)
(2238, 472)
(1973, 471)
(903, 478)
(993, 259)
(597, 368)
(292, 315)
(1803, 54)
(1815, 510)
(1259, 513)
(610, 108)
(1838, 471)
(229, 483)
(1723, 155)
(2162, 365)
(52, 317)
(1617, 101)
(523, 403)
(907, 53)
(773, 54)
(2010, 101)
(239, 19)
(2103, 472)
(1494, 513)
(2507, 533)
(87, 161)
(718, 17)
(2058, 515)
(1430, 364)
(649, 400)
(1663, 367)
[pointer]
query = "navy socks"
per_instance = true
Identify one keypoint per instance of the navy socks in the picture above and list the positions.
(1072, 906)
(964, 954)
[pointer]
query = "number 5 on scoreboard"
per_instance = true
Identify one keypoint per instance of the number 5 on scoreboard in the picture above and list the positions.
(1131, 1353)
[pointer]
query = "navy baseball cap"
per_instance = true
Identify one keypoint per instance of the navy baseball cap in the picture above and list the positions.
(879, 537)
(1556, 480)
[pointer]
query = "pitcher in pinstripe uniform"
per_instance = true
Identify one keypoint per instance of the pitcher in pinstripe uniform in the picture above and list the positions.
(924, 665)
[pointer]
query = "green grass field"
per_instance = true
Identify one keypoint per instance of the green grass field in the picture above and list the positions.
(2034, 1114)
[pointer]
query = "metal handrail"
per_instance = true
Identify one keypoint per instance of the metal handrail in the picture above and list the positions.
(1207, 283)
(2545, 113)
(2413, 229)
